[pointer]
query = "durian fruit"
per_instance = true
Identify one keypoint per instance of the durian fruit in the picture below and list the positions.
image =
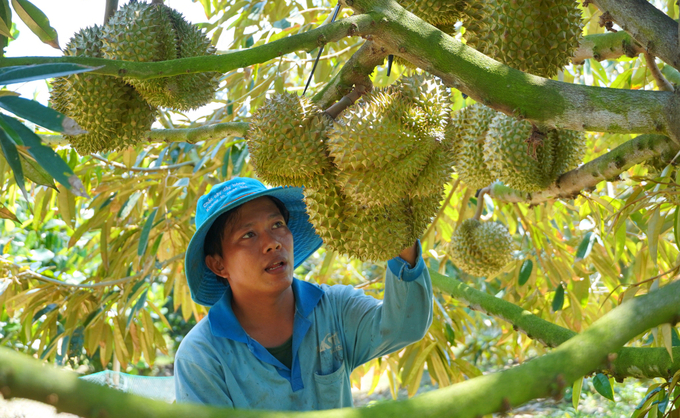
(436, 172)
(437, 12)
(526, 159)
(382, 145)
(286, 140)
(112, 112)
(535, 36)
(481, 249)
(145, 32)
(326, 210)
(472, 125)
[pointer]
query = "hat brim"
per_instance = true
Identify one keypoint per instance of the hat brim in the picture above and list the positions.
(205, 288)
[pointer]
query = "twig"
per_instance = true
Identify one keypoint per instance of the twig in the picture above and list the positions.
(480, 202)
(40, 277)
(443, 207)
(345, 102)
(140, 169)
(661, 81)
(111, 8)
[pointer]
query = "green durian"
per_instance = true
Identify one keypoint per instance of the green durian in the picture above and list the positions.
(481, 249)
(112, 112)
(326, 210)
(286, 140)
(144, 32)
(437, 12)
(473, 123)
(435, 174)
(526, 159)
(538, 37)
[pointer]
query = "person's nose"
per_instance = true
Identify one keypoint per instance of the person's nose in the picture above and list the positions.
(272, 242)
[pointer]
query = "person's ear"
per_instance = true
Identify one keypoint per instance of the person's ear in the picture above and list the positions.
(216, 265)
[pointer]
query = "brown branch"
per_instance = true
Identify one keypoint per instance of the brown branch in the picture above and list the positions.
(653, 29)
(661, 81)
(356, 72)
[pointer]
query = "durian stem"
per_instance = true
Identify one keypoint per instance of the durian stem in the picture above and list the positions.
(356, 72)
(606, 46)
(345, 102)
(480, 203)
(661, 82)
(631, 362)
(111, 8)
(606, 167)
(652, 28)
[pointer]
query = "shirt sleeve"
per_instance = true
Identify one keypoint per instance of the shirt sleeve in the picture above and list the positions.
(197, 384)
(373, 328)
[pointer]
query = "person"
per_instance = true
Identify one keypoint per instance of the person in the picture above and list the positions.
(271, 341)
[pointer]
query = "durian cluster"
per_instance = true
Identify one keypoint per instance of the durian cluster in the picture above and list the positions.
(493, 146)
(535, 36)
(373, 178)
(117, 112)
(481, 249)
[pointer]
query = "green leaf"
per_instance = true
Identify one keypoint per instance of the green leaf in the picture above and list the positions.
(41, 115)
(37, 22)
(5, 19)
(47, 158)
(24, 73)
(138, 306)
(34, 172)
(450, 334)
(9, 149)
(620, 247)
(238, 157)
(585, 247)
(576, 392)
(525, 272)
(144, 237)
(558, 300)
(676, 225)
(603, 387)
(129, 205)
(649, 395)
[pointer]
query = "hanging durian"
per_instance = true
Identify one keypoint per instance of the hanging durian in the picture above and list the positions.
(437, 12)
(471, 125)
(145, 32)
(112, 112)
(481, 249)
(526, 159)
(286, 140)
(535, 36)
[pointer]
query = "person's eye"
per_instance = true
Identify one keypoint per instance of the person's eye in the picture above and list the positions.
(248, 235)
(279, 224)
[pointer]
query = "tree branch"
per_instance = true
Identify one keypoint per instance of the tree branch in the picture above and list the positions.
(652, 28)
(22, 376)
(546, 102)
(307, 41)
(606, 46)
(587, 176)
(141, 169)
(661, 82)
(631, 362)
(189, 135)
(356, 71)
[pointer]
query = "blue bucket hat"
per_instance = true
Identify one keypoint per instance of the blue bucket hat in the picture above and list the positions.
(205, 287)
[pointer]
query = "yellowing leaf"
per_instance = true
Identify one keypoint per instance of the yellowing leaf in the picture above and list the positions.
(66, 202)
(667, 333)
(576, 392)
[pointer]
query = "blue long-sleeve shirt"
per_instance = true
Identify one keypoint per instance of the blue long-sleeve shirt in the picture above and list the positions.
(336, 329)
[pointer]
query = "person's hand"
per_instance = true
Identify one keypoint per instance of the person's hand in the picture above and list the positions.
(409, 254)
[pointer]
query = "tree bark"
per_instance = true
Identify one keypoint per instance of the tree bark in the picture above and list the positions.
(652, 28)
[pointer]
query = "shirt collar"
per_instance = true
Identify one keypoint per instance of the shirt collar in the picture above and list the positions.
(223, 322)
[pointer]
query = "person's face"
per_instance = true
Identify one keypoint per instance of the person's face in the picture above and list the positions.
(257, 250)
